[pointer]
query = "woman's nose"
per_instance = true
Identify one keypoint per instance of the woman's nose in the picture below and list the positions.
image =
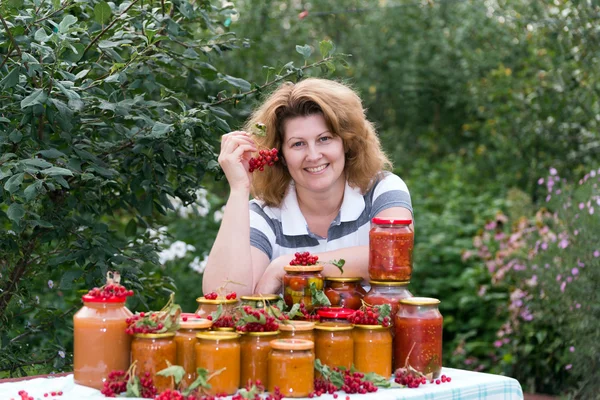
(313, 153)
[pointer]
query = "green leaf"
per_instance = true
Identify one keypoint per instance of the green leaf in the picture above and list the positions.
(175, 371)
(318, 298)
(41, 35)
(305, 50)
(131, 227)
(379, 380)
(54, 171)
(160, 130)
(66, 281)
(37, 162)
(133, 387)
(15, 212)
(16, 4)
(66, 23)
(32, 190)
(385, 310)
(339, 263)
(102, 13)
(325, 47)
(294, 311)
(239, 83)
(201, 381)
(37, 97)
(11, 79)
(14, 183)
(51, 153)
(15, 136)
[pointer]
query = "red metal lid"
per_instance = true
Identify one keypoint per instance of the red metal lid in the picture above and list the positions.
(391, 221)
(91, 299)
(333, 312)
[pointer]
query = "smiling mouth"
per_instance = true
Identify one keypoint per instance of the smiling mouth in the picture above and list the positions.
(317, 169)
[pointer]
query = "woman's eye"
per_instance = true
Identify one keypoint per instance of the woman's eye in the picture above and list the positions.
(325, 138)
(297, 144)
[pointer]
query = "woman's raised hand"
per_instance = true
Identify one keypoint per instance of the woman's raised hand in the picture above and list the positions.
(236, 150)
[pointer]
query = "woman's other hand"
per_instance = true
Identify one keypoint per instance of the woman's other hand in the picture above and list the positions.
(236, 150)
(272, 278)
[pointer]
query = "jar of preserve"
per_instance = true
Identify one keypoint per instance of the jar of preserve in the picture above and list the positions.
(391, 243)
(418, 330)
(185, 339)
(334, 315)
(344, 292)
(259, 301)
(255, 350)
(334, 344)
(100, 342)
(153, 353)
(217, 350)
(209, 306)
(373, 349)
(297, 330)
(296, 284)
(292, 367)
(391, 293)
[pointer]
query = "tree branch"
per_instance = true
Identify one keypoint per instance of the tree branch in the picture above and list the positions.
(65, 5)
(10, 36)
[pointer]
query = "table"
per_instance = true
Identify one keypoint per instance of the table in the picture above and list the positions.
(465, 385)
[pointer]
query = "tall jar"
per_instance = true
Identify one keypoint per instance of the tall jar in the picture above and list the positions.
(208, 306)
(419, 325)
(296, 284)
(100, 342)
(344, 292)
(153, 353)
(292, 367)
(334, 344)
(215, 351)
(297, 330)
(255, 349)
(391, 243)
(259, 301)
(185, 338)
(373, 349)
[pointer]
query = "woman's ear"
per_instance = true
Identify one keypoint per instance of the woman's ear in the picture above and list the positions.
(282, 160)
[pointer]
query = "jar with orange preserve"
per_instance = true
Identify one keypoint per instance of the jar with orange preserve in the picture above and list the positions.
(185, 338)
(220, 351)
(334, 344)
(154, 352)
(419, 335)
(391, 243)
(297, 330)
(291, 367)
(387, 293)
(344, 292)
(373, 349)
(207, 306)
(255, 349)
(335, 315)
(101, 344)
(297, 281)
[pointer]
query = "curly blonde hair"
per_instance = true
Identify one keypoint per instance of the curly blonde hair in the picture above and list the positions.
(345, 117)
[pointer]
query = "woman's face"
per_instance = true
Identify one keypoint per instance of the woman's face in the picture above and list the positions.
(315, 157)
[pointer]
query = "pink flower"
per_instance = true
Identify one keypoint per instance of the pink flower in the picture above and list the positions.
(580, 264)
(568, 367)
(578, 306)
(553, 171)
(581, 205)
(544, 245)
(563, 244)
(592, 173)
(572, 349)
(597, 253)
(576, 232)
(591, 210)
(541, 181)
(563, 286)
(498, 343)
(575, 271)
(491, 225)
(569, 279)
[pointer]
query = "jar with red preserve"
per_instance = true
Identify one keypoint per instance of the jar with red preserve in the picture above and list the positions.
(185, 339)
(344, 292)
(220, 351)
(297, 281)
(255, 348)
(209, 306)
(334, 344)
(291, 367)
(418, 336)
(297, 330)
(154, 352)
(335, 315)
(387, 293)
(373, 349)
(391, 243)
(101, 344)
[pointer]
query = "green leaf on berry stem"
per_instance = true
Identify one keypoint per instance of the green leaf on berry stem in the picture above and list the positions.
(385, 310)
(379, 380)
(318, 297)
(339, 263)
(133, 387)
(202, 377)
(175, 371)
(294, 311)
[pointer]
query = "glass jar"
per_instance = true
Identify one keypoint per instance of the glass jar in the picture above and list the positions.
(344, 292)
(335, 315)
(334, 344)
(391, 243)
(100, 342)
(259, 301)
(207, 307)
(297, 330)
(255, 349)
(153, 353)
(418, 329)
(373, 349)
(296, 284)
(217, 350)
(185, 339)
(387, 293)
(292, 367)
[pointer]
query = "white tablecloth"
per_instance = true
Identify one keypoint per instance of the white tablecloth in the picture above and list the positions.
(465, 385)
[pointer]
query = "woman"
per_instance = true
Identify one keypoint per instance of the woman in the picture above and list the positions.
(320, 197)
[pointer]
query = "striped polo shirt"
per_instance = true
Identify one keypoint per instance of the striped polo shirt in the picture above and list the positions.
(283, 230)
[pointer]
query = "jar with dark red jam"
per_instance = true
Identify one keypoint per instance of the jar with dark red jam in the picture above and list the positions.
(391, 243)
(418, 328)
(344, 292)
(391, 293)
(297, 281)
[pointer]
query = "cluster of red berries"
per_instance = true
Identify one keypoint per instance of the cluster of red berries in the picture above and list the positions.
(265, 157)
(25, 396)
(368, 315)
(307, 315)
(224, 321)
(353, 383)
(170, 394)
(412, 380)
(270, 324)
(304, 259)
(211, 296)
(110, 291)
(116, 383)
(148, 324)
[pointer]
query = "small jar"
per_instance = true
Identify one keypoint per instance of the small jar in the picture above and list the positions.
(292, 367)
(185, 339)
(334, 315)
(391, 243)
(100, 342)
(334, 344)
(297, 330)
(387, 293)
(259, 301)
(207, 306)
(217, 350)
(373, 349)
(344, 292)
(296, 284)
(255, 349)
(153, 353)
(419, 325)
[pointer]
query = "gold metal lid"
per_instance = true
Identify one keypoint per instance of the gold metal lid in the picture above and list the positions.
(215, 335)
(193, 322)
(225, 329)
(261, 297)
(303, 268)
(333, 327)
(292, 344)
(372, 327)
(420, 301)
(270, 333)
(343, 279)
(297, 326)
(389, 283)
(217, 301)
(154, 335)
